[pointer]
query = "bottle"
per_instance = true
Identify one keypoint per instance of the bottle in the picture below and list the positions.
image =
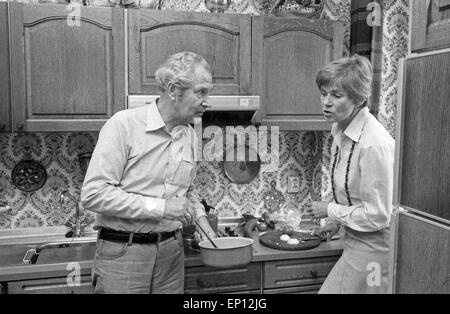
(210, 216)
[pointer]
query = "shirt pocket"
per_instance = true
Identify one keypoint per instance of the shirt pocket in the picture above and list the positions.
(186, 172)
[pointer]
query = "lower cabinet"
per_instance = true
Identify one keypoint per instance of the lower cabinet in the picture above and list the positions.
(300, 276)
(58, 285)
(297, 275)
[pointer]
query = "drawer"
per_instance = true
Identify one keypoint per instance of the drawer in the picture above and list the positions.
(297, 272)
(56, 285)
(294, 290)
(215, 280)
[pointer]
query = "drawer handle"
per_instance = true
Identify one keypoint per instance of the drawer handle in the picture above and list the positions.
(313, 273)
(201, 284)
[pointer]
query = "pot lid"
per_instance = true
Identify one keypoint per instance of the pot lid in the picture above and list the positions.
(242, 171)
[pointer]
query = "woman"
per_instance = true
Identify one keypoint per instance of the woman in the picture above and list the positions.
(361, 179)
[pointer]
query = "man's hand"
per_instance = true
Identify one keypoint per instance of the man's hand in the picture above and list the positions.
(176, 208)
(318, 209)
(205, 225)
(329, 230)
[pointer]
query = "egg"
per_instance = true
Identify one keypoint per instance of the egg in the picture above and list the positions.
(285, 237)
(293, 241)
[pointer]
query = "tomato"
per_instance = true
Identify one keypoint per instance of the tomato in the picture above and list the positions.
(262, 226)
(287, 230)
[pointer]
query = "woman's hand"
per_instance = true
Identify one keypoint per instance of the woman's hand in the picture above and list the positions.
(329, 230)
(318, 209)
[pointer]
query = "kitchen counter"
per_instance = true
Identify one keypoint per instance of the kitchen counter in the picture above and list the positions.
(57, 262)
(262, 253)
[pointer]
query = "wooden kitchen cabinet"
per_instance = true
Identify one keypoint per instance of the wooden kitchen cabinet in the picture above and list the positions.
(287, 53)
(203, 279)
(5, 91)
(421, 251)
(422, 255)
(66, 75)
(297, 275)
(430, 25)
(224, 40)
(56, 285)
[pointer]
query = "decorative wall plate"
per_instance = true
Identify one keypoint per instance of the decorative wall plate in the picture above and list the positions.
(273, 199)
(28, 175)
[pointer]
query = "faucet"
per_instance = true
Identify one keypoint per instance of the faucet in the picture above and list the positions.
(32, 255)
(77, 226)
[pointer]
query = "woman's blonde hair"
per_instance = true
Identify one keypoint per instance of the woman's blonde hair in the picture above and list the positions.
(353, 75)
(179, 69)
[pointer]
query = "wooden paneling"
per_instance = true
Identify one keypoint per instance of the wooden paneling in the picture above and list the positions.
(425, 183)
(297, 272)
(5, 96)
(222, 39)
(214, 280)
(287, 54)
(66, 72)
(430, 25)
(423, 259)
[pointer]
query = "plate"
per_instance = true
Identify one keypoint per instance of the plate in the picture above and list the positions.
(28, 175)
(306, 241)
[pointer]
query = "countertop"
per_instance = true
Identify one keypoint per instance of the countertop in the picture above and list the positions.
(59, 262)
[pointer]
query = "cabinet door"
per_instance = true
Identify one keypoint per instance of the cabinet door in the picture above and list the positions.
(287, 53)
(222, 39)
(50, 286)
(5, 99)
(430, 27)
(423, 127)
(68, 75)
(212, 280)
(422, 256)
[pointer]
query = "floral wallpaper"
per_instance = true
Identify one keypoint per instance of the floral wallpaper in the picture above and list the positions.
(299, 155)
(395, 46)
(302, 154)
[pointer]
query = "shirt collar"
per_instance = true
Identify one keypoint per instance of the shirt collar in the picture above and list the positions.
(154, 119)
(354, 129)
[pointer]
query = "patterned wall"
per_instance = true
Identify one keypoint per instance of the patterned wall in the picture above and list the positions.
(305, 154)
(395, 46)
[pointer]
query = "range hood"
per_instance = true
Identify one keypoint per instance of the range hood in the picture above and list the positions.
(223, 110)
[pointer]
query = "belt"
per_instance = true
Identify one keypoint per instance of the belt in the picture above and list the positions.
(131, 237)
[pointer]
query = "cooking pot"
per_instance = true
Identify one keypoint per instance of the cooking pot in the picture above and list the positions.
(230, 252)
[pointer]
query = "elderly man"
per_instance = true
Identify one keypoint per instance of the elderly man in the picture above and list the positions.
(139, 183)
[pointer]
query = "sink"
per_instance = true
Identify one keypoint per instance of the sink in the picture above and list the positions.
(63, 251)
(80, 252)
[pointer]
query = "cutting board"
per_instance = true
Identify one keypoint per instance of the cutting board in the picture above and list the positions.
(306, 241)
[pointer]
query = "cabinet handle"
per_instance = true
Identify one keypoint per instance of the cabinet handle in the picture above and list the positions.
(313, 273)
(200, 283)
(19, 126)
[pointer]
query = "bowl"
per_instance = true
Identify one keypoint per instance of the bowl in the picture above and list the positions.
(230, 252)
(217, 6)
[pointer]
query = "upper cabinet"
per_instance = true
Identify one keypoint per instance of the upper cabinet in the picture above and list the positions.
(67, 74)
(224, 40)
(287, 54)
(430, 25)
(5, 95)
(71, 70)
